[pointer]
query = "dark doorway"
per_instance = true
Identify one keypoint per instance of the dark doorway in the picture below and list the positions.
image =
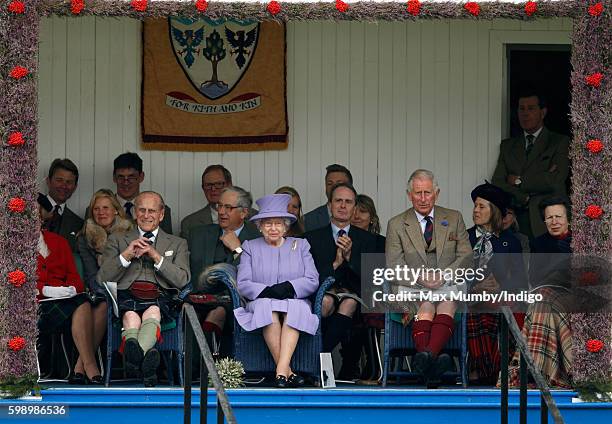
(546, 67)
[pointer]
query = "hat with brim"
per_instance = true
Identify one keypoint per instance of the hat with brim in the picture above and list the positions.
(492, 194)
(274, 206)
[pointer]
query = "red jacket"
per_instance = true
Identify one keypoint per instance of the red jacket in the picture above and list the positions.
(58, 269)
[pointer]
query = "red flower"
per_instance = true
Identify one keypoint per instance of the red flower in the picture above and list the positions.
(17, 7)
(139, 5)
(16, 204)
(16, 139)
(530, 8)
(341, 6)
(77, 6)
(472, 7)
(596, 9)
(594, 146)
(589, 278)
(17, 278)
(19, 72)
(594, 80)
(201, 5)
(593, 211)
(16, 343)
(594, 345)
(414, 7)
(274, 7)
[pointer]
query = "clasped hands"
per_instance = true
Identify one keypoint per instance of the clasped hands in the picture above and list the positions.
(140, 247)
(278, 291)
(51, 291)
(343, 252)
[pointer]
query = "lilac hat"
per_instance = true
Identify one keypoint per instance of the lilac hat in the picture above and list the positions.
(274, 206)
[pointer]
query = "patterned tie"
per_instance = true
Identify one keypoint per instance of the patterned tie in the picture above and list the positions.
(530, 142)
(148, 235)
(128, 209)
(54, 221)
(428, 234)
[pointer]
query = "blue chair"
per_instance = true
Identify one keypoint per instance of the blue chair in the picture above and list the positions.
(399, 343)
(251, 350)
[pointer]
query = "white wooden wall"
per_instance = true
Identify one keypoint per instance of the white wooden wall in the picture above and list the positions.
(383, 99)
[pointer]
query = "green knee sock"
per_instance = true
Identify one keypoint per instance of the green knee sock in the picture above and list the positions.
(130, 333)
(147, 336)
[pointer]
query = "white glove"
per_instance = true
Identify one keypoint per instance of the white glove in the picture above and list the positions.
(50, 291)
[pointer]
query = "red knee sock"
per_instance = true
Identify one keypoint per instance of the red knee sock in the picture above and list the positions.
(441, 331)
(210, 327)
(420, 334)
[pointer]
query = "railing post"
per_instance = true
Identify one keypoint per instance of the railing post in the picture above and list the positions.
(543, 411)
(504, 369)
(219, 412)
(203, 391)
(187, 368)
(523, 394)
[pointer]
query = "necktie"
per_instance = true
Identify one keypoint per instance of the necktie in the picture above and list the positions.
(54, 222)
(530, 141)
(341, 233)
(128, 209)
(148, 235)
(428, 233)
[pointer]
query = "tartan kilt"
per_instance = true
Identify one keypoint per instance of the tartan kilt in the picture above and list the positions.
(54, 315)
(482, 340)
(168, 306)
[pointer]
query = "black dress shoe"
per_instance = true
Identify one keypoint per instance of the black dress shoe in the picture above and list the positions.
(442, 364)
(78, 379)
(150, 363)
(295, 380)
(133, 355)
(96, 380)
(281, 382)
(421, 363)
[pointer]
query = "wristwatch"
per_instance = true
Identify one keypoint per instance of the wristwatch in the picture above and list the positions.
(238, 250)
(518, 181)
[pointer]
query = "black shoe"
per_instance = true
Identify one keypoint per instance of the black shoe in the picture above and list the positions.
(442, 364)
(150, 363)
(421, 363)
(78, 379)
(96, 380)
(133, 355)
(295, 380)
(281, 382)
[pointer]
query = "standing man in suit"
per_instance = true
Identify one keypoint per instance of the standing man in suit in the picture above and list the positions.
(432, 237)
(62, 181)
(336, 250)
(127, 175)
(220, 243)
(319, 217)
(150, 268)
(532, 166)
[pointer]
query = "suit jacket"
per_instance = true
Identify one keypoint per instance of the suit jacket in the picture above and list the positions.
(203, 241)
(316, 218)
(70, 225)
(173, 273)
(323, 249)
(538, 181)
(406, 244)
(199, 218)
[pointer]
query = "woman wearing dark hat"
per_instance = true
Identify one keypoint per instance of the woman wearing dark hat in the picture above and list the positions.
(499, 253)
(277, 275)
(61, 297)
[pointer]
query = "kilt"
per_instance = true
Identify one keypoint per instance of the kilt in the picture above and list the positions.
(54, 315)
(482, 340)
(168, 306)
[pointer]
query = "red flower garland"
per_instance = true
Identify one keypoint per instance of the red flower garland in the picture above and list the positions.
(530, 8)
(201, 5)
(414, 7)
(77, 6)
(19, 72)
(274, 7)
(17, 204)
(594, 146)
(594, 80)
(593, 212)
(17, 7)
(594, 345)
(589, 278)
(16, 344)
(16, 139)
(341, 6)
(472, 7)
(596, 9)
(17, 278)
(139, 5)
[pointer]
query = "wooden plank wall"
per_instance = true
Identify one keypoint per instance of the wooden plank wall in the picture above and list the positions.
(383, 99)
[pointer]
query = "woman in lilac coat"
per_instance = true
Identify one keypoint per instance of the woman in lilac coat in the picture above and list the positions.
(277, 275)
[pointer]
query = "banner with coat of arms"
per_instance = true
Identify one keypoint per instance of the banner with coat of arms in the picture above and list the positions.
(213, 85)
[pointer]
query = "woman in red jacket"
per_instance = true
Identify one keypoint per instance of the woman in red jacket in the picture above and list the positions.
(62, 300)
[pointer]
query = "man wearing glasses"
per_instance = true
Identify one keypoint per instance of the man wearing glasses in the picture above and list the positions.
(219, 243)
(127, 175)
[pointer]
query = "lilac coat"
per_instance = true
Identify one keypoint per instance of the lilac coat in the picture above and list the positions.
(262, 265)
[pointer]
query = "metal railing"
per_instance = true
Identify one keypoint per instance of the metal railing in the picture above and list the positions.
(547, 402)
(207, 366)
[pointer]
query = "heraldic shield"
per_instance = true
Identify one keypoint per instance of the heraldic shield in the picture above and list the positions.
(213, 54)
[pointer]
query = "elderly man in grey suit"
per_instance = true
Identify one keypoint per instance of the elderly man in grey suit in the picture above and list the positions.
(150, 267)
(532, 166)
(321, 216)
(433, 238)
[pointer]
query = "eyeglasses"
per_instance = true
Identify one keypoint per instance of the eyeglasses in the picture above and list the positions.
(269, 225)
(129, 179)
(227, 207)
(217, 186)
